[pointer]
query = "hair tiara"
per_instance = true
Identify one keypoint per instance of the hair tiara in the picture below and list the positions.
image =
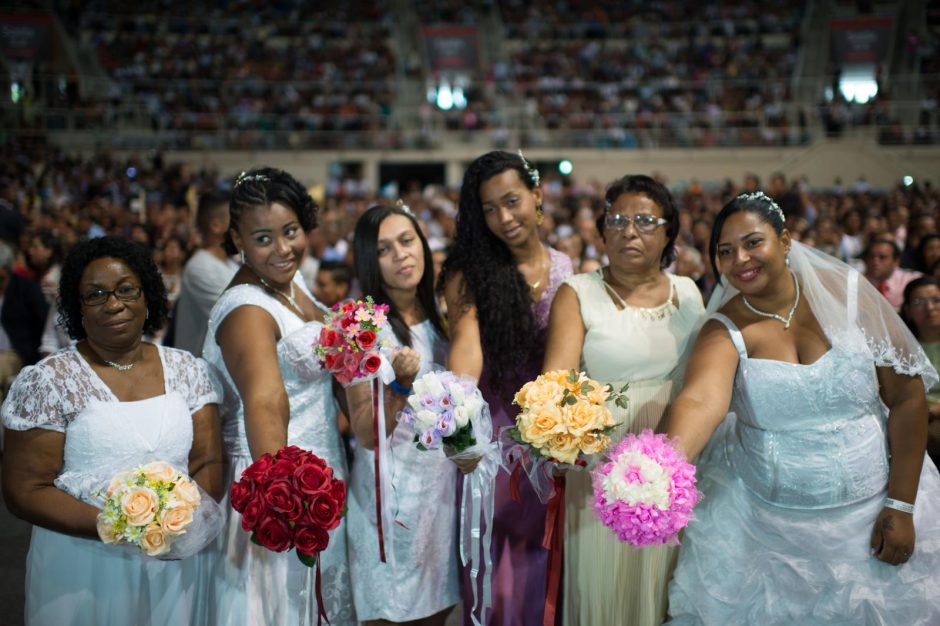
(245, 177)
(531, 171)
(760, 195)
(404, 207)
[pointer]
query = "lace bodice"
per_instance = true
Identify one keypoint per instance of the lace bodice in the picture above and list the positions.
(312, 424)
(104, 435)
(633, 343)
(808, 436)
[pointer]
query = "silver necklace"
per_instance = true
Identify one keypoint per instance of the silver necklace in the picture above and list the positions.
(784, 320)
(119, 366)
(288, 297)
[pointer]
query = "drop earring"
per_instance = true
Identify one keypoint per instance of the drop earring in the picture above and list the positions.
(241, 255)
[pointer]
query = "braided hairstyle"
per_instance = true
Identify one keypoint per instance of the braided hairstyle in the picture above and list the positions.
(262, 187)
(491, 280)
(365, 253)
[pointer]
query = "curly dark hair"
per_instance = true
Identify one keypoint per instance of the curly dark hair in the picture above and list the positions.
(132, 254)
(262, 187)
(655, 191)
(491, 280)
(365, 244)
(759, 204)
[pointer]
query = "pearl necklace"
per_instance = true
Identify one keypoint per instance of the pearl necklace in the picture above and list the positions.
(784, 320)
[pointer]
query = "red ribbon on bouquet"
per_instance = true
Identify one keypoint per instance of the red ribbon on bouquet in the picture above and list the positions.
(554, 541)
(378, 475)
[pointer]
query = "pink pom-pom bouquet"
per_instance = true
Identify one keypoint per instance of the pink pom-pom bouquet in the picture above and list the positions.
(646, 492)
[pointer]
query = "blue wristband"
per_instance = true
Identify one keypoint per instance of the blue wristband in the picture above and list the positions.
(397, 387)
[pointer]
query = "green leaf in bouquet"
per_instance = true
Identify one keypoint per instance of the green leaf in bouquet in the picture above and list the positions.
(461, 440)
(573, 376)
(587, 387)
(571, 400)
(624, 388)
(308, 559)
(254, 539)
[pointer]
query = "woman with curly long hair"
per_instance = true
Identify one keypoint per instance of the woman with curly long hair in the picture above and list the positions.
(499, 282)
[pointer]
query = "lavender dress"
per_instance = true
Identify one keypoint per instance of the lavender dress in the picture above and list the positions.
(519, 560)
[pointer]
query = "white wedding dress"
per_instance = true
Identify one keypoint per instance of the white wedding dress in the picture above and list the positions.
(73, 580)
(253, 585)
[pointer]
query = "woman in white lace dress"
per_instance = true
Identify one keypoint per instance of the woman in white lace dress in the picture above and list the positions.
(419, 584)
(107, 404)
(260, 345)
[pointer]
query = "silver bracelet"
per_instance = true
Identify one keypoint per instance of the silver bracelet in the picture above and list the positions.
(898, 505)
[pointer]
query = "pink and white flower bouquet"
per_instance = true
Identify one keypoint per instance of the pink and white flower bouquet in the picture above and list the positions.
(152, 507)
(646, 492)
(349, 344)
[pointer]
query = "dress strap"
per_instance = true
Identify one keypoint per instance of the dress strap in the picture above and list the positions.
(736, 338)
(852, 297)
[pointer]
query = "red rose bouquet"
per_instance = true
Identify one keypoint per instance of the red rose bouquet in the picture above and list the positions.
(290, 500)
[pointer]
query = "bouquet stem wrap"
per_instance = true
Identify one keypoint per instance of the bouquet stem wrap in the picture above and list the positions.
(476, 515)
(383, 480)
(554, 541)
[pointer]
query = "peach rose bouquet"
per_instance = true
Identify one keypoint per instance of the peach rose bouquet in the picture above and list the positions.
(150, 507)
(562, 419)
(563, 416)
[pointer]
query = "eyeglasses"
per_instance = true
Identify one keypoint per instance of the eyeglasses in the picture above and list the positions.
(925, 301)
(124, 293)
(644, 222)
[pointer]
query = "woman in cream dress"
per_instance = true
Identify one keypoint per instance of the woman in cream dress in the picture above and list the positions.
(629, 322)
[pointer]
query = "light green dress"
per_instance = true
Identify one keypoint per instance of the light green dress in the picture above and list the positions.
(605, 581)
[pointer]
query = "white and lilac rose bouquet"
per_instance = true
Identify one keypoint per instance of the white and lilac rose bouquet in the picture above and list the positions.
(441, 410)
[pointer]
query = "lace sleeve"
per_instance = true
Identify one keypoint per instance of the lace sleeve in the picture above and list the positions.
(34, 401)
(190, 376)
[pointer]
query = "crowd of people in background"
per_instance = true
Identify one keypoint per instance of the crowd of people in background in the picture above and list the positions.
(50, 200)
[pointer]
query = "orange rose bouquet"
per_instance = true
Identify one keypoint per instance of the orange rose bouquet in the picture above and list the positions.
(152, 507)
(562, 419)
(563, 416)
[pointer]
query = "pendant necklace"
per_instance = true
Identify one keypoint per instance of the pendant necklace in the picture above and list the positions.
(288, 297)
(535, 286)
(118, 366)
(784, 320)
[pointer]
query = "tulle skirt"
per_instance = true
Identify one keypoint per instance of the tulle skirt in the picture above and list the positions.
(744, 561)
(76, 581)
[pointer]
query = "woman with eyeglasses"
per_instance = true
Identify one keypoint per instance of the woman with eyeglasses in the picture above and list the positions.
(627, 322)
(107, 404)
(921, 311)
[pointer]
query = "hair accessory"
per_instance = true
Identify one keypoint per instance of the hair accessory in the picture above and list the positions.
(404, 207)
(532, 172)
(899, 505)
(760, 195)
(245, 177)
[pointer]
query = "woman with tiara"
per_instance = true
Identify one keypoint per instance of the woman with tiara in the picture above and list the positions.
(260, 346)
(818, 507)
(499, 282)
